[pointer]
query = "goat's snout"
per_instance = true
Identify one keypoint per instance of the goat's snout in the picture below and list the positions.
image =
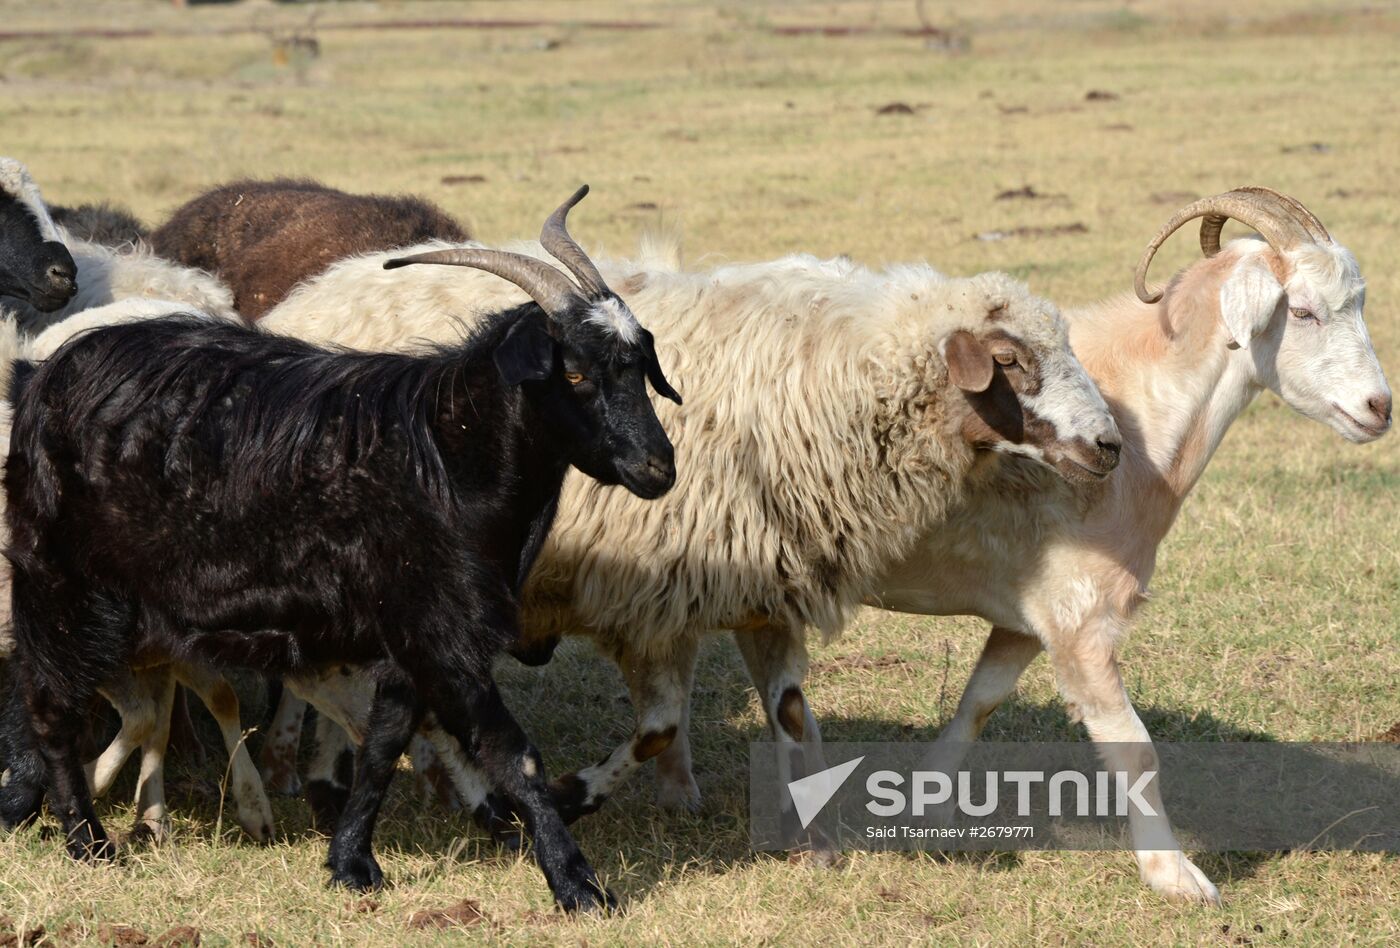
(661, 468)
(1380, 406)
(62, 276)
(1110, 451)
(650, 476)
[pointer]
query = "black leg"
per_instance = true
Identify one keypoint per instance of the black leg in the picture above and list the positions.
(392, 721)
(472, 711)
(22, 795)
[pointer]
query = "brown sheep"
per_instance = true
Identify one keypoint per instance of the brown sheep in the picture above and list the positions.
(265, 237)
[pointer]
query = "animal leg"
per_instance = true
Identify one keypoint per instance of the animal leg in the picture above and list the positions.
(393, 716)
(152, 817)
(140, 700)
(22, 782)
(777, 661)
(330, 773)
(58, 700)
(660, 687)
(1089, 679)
(342, 698)
(471, 710)
(1005, 656)
(279, 751)
(254, 811)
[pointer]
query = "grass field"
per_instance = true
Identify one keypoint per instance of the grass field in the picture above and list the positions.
(1275, 603)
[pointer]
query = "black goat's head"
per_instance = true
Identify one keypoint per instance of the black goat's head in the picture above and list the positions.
(34, 265)
(586, 365)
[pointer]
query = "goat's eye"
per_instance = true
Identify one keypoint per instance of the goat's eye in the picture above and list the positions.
(1005, 358)
(1299, 312)
(574, 378)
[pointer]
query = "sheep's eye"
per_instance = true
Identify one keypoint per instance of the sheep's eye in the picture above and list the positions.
(1299, 313)
(1005, 358)
(574, 378)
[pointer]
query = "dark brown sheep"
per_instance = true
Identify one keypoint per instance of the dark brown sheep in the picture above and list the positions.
(264, 237)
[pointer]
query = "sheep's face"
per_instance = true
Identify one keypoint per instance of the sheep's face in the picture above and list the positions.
(1295, 320)
(1027, 394)
(34, 266)
(589, 388)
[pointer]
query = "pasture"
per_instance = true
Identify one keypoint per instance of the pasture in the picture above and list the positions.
(1050, 140)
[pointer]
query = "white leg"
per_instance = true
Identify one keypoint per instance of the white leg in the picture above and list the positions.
(137, 696)
(152, 819)
(278, 759)
(777, 661)
(660, 688)
(1087, 669)
(254, 813)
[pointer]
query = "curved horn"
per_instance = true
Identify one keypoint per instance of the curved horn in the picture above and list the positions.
(1280, 220)
(555, 238)
(547, 286)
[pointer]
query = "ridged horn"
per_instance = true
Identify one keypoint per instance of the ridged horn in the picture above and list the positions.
(547, 286)
(555, 238)
(1279, 219)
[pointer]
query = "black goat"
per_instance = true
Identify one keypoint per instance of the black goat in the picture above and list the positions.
(35, 266)
(216, 494)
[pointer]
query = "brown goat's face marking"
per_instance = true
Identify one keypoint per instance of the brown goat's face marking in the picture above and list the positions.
(1038, 404)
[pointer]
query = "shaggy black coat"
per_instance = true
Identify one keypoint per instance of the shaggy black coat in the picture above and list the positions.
(264, 237)
(225, 496)
(100, 223)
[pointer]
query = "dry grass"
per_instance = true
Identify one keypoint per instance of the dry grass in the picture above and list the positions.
(1276, 598)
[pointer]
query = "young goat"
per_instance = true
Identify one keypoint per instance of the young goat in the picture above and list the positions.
(35, 266)
(376, 509)
(265, 237)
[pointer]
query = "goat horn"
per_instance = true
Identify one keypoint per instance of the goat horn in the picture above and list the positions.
(555, 238)
(547, 286)
(1279, 219)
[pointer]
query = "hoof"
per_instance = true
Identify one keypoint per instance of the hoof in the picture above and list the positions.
(678, 797)
(358, 873)
(586, 897)
(1170, 874)
(152, 830)
(570, 795)
(495, 817)
(257, 822)
(90, 849)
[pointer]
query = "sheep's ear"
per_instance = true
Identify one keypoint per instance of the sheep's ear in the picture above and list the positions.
(525, 354)
(969, 362)
(1249, 297)
(658, 380)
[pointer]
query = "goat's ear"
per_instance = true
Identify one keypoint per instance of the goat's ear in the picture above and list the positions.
(969, 362)
(1249, 297)
(654, 376)
(525, 354)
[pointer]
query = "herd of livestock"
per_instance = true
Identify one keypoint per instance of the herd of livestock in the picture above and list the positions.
(368, 496)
